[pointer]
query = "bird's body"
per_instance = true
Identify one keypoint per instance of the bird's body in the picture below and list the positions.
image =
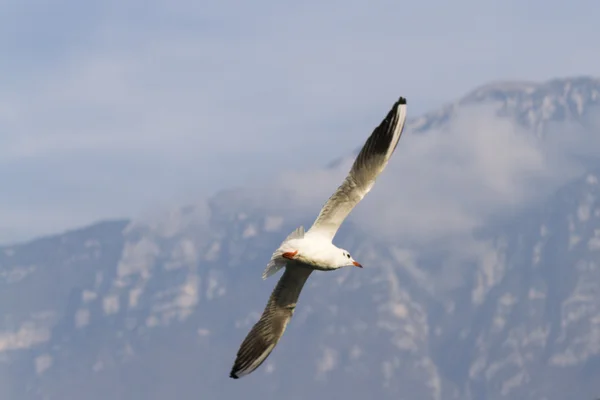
(308, 250)
(313, 253)
(302, 252)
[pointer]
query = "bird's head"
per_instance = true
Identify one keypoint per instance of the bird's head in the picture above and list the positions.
(346, 260)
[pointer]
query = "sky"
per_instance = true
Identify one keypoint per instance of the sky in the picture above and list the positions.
(111, 108)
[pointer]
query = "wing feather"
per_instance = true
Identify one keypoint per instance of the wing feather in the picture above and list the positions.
(264, 335)
(369, 163)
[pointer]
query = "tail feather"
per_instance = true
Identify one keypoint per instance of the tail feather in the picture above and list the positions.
(274, 265)
(277, 262)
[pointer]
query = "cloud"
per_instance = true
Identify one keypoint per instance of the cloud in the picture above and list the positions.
(445, 183)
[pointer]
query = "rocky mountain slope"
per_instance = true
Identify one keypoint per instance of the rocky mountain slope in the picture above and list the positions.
(155, 309)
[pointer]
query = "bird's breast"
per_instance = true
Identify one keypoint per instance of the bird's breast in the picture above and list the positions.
(316, 260)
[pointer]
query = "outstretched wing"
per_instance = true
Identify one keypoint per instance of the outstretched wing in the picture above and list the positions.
(369, 163)
(265, 334)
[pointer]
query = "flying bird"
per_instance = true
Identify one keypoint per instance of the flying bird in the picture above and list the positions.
(302, 252)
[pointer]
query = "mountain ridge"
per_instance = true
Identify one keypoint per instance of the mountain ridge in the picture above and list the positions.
(130, 309)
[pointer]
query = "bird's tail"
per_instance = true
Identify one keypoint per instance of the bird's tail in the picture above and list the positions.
(277, 261)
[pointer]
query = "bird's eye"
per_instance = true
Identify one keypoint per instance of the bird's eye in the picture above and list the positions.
(348, 255)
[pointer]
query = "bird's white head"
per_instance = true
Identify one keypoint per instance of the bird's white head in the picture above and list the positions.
(346, 260)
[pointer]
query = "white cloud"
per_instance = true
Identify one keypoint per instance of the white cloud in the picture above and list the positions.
(447, 182)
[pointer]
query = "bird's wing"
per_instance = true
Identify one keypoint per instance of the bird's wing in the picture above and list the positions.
(265, 334)
(369, 163)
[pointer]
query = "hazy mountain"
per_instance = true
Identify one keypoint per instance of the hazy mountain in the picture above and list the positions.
(532, 104)
(156, 309)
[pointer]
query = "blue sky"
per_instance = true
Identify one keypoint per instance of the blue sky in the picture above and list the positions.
(111, 108)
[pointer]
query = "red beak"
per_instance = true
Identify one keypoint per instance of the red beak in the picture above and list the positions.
(357, 264)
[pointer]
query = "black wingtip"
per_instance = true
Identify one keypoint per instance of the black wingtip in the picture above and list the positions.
(402, 100)
(233, 375)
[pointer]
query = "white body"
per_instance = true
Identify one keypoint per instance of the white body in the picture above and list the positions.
(316, 252)
(311, 250)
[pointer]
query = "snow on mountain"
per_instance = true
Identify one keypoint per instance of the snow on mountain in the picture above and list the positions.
(156, 308)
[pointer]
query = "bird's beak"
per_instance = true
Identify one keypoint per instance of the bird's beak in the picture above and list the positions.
(356, 264)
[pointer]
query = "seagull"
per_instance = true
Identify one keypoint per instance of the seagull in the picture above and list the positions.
(302, 252)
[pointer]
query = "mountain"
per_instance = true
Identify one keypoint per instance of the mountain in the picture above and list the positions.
(546, 309)
(534, 105)
(156, 308)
